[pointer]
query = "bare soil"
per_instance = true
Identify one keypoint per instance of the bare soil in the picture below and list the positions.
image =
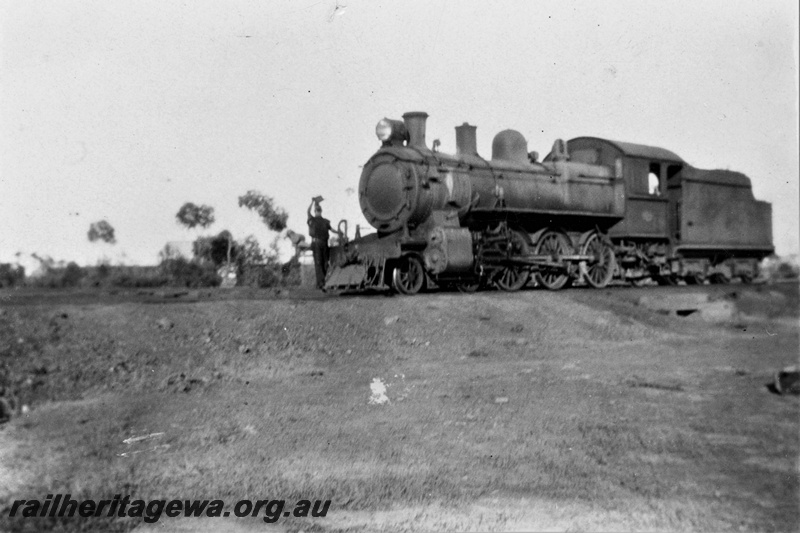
(528, 411)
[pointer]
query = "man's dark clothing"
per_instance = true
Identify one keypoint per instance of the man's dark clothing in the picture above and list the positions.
(318, 228)
(321, 253)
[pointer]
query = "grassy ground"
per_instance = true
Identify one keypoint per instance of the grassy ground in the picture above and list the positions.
(534, 410)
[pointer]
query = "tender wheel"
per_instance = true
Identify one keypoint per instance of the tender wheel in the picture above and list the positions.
(468, 287)
(514, 278)
(747, 279)
(718, 278)
(408, 277)
(599, 272)
(667, 281)
(695, 279)
(555, 245)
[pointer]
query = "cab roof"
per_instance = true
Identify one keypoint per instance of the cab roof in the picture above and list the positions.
(635, 150)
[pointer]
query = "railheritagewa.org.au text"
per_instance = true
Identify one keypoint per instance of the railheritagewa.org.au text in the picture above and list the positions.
(63, 505)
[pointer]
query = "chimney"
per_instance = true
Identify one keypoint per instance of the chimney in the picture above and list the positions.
(466, 141)
(415, 124)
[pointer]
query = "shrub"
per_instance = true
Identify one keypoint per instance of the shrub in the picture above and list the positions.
(780, 268)
(184, 273)
(175, 272)
(58, 277)
(137, 277)
(103, 270)
(787, 270)
(11, 275)
(72, 275)
(291, 272)
(270, 274)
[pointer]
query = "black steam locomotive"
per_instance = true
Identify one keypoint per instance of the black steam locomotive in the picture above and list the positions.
(591, 211)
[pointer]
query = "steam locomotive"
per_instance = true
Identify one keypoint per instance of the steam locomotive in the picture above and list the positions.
(591, 211)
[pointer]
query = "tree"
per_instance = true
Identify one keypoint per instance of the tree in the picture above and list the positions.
(274, 217)
(217, 249)
(170, 251)
(261, 267)
(192, 215)
(101, 231)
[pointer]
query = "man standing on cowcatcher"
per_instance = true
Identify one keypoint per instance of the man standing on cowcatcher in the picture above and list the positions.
(318, 229)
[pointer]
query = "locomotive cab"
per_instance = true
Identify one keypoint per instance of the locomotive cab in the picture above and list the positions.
(644, 170)
(681, 222)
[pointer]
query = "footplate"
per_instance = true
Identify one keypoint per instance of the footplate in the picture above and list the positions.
(355, 276)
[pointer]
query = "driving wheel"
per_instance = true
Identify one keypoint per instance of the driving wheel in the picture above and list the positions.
(513, 278)
(555, 245)
(599, 271)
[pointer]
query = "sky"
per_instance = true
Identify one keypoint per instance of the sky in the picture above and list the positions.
(126, 110)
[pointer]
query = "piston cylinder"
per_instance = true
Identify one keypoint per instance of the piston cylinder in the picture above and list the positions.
(449, 250)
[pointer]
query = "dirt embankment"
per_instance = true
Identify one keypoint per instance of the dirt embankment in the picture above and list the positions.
(534, 410)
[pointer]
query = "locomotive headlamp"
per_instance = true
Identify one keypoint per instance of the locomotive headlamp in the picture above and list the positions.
(383, 130)
(391, 131)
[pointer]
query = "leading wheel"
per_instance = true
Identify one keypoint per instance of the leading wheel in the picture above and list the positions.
(408, 277)
(599, 271)
(513, 278)
(555, 245)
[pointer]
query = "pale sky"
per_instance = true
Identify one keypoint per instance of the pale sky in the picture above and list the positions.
(125, 110)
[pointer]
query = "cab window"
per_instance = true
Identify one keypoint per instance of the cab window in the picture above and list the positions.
(654, 180)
